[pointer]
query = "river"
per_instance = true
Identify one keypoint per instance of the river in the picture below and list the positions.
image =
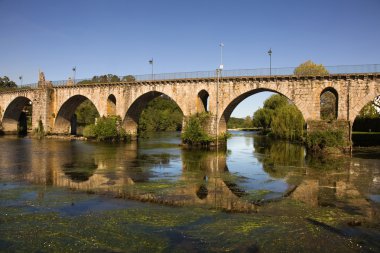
(260, 195)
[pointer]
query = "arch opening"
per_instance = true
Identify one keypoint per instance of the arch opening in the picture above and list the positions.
(111, 105)
(278, 114)
(202, 101)
(329, 104)
(18, 116)
(153, 112)
(366, 126)
(74, 114)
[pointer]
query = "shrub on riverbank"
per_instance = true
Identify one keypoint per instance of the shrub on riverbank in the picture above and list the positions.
(325, 141)
(193, 133)
(106, 129)
(39, 131)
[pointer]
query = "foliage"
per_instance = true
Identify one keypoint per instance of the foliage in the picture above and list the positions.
(288, 123)
(309, 68)
(369, 111)
(328, 106)
(106, 129)
(128, 78)
(283, 118)
(40, 131)
(234, 123)
(86, 113)
(275, 101)
(161, 114)
(5, 83)
(193, 133)
(108, 79)
(263, 118)
(319, 140)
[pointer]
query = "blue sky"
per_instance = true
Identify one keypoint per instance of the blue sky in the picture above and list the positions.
(119, 37)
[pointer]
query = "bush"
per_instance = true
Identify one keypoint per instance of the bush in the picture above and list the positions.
(39, 131)
(193, 133)
(89, 131)
(106, 129)
(318, 141)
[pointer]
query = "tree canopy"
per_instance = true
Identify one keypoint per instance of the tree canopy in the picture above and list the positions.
(5, 82)
(369, 111)
(161, 114)
(310, 68)
(328, 105)
(283, 118)
(109, 78)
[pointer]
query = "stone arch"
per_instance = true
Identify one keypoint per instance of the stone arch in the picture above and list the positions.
(15, 111)
(202, 101)
(227, 111)
(111, 105)
(63, 120)
(132, 116)
(368, 124)
(327, 96)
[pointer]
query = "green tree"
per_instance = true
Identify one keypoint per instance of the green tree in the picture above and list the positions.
(86, 113)
(369, 111)
(109, 78)
(283, 118)
(328, 106)
(288, 123)
(263, 118)
(128, 78)
(309, 68)
(161, 114)
(247, 122)
(5, 82)
(275, 101)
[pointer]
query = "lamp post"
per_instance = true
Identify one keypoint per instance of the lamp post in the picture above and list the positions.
(74, 72)
(218, 76)
(20, 77)
(151, 62)
(221, 55)
(270, 62)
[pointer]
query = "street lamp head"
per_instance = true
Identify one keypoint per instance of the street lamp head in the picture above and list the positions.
(270, 52)
(74, 69)
(20, 77)
(221, 44)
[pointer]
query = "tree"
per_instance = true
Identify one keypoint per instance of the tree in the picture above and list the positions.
(283, 118)
(275, 101)
(161, 114)
(328, 105)
(369, 111)
(288, 123)
(86, 113)
(5, 82)
(128, 78)
(263, 118)
(247, 122)
(376, 102)
(309, 68)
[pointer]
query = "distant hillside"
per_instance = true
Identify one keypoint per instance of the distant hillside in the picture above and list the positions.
(234, 123)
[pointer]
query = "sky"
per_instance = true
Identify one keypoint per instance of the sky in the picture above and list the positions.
(119, 37)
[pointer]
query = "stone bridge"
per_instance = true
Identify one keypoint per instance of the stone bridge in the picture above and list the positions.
(55, 106)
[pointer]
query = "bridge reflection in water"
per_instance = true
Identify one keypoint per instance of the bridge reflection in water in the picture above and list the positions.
(166, 174)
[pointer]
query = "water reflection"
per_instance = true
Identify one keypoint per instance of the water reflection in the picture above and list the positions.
(254, 170)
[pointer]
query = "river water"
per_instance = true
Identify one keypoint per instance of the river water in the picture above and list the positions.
(260, 195)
